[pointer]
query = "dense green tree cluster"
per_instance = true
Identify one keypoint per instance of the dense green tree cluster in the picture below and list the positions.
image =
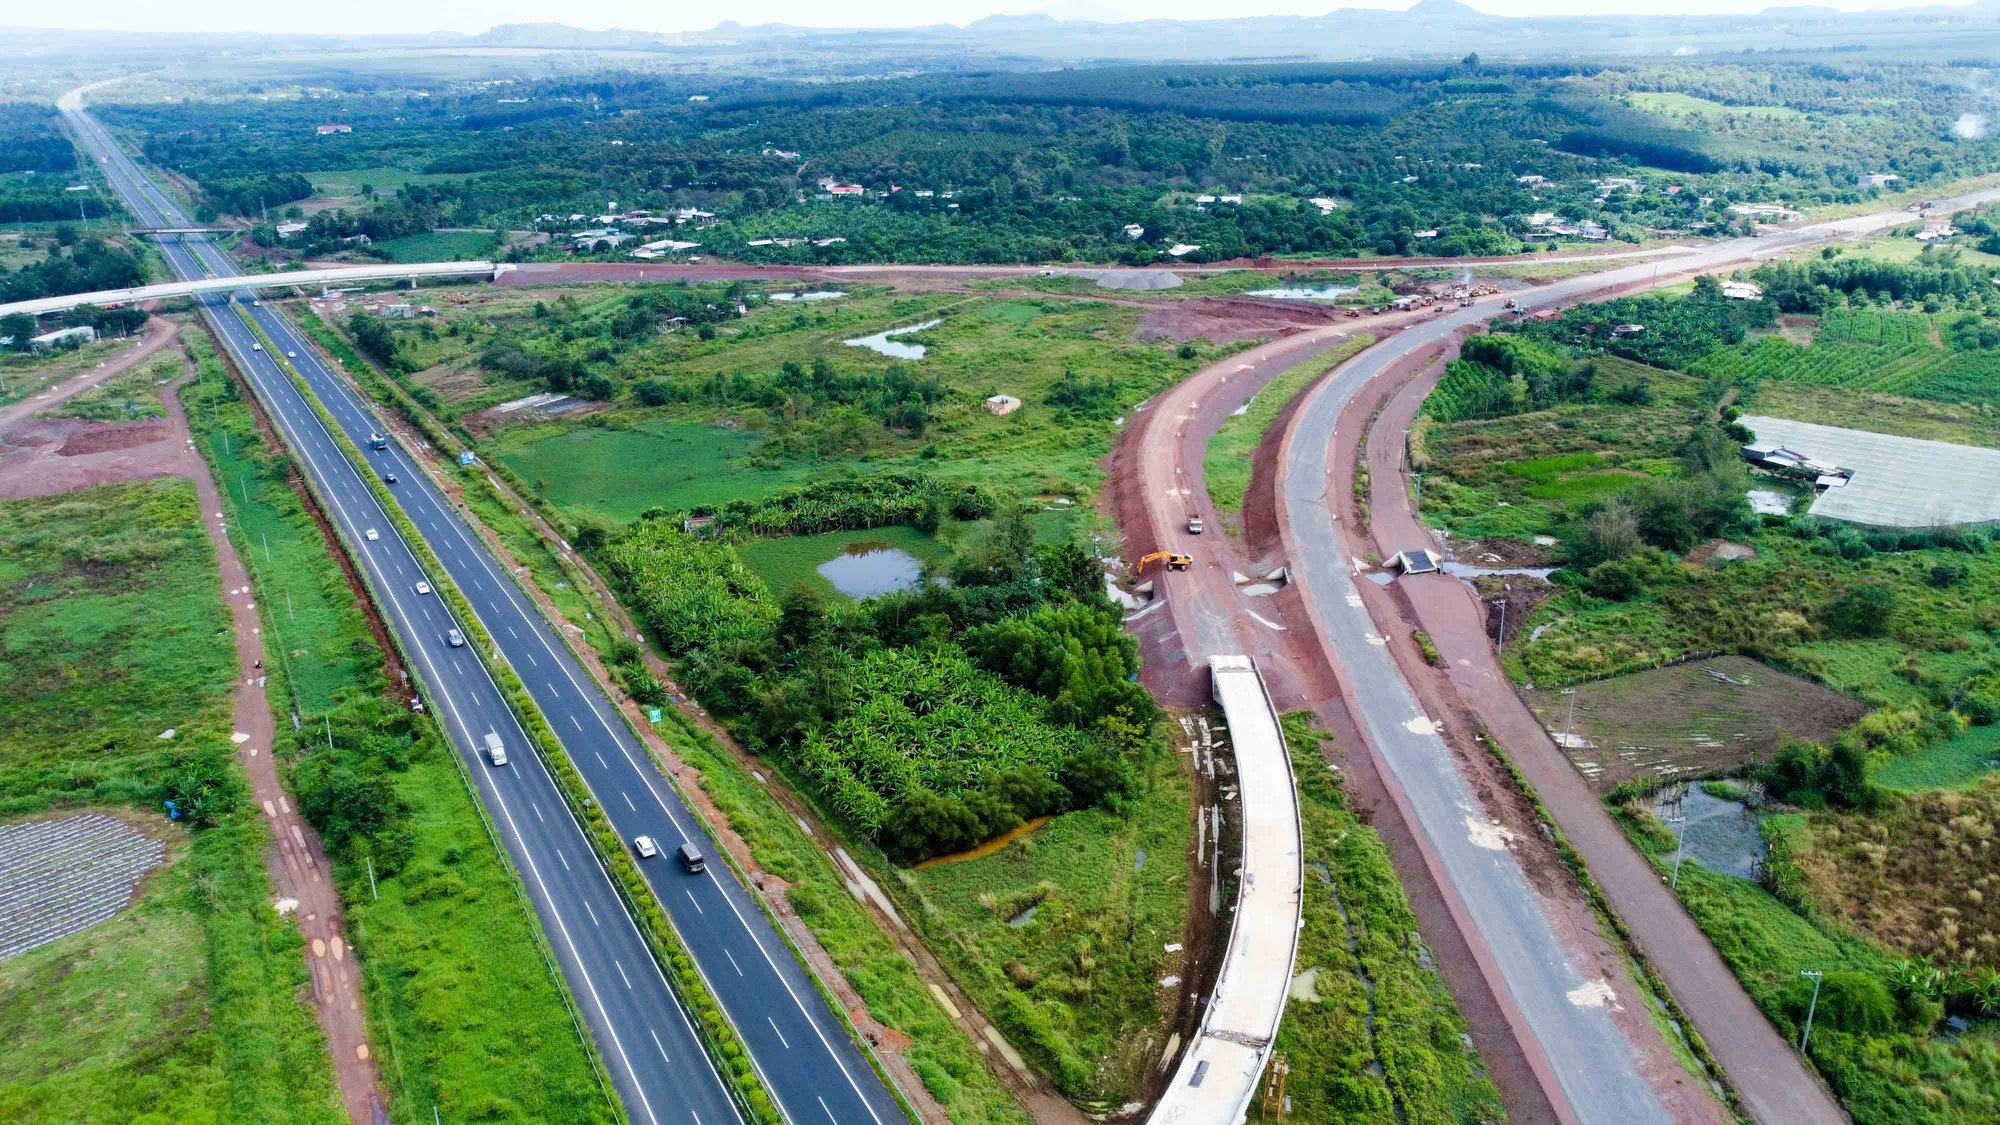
(929, 718)
(72, 265)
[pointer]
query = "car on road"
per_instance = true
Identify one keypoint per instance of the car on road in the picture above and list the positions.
(389, 478)
(455, 639)
(496, 751)
(256, 347)
(291, 355)
(645, 846)
(372, 535)
(423, 587)
(691, 860)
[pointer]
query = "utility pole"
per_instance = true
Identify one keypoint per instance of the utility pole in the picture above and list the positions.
(1806, 1036)
(1571, 693)
(371, 879)
(1501, 640)
(1680, 820)
(267, 546)
(329, 732)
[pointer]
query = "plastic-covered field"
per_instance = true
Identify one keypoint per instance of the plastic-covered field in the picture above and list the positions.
(1898, 482)
(61, 876)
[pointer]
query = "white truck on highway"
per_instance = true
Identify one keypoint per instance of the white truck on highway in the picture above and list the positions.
(496, 751)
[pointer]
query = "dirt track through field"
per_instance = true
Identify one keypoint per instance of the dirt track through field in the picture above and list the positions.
(41, 458)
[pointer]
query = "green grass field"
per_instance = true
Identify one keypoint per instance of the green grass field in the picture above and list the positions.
(112, 629)
(25, 374)
(341, 187)
(452, 1025)
(129, 397)
(618, 472)
(1956, 764)
(439, 246)
(1075, 987)
(1683, 105)
(793, 559)
(1226, 466)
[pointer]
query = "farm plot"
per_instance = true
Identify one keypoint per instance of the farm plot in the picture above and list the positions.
(65, 875)
(1702, 717)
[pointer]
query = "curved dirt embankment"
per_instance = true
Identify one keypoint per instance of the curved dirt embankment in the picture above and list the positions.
(1156, 479)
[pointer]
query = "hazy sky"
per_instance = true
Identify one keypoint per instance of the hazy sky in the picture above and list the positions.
(360, 16)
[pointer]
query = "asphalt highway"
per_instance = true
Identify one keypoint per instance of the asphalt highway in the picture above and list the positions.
(1591, 1058)
(811, 1066)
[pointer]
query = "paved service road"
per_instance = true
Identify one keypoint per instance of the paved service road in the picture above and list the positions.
(1591, 1058)
(812, 1067)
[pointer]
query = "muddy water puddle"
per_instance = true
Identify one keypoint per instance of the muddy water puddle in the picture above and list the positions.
(864, 570)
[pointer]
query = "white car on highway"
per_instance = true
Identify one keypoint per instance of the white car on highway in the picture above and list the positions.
(372, 534)
(423, 587)
(291, 355)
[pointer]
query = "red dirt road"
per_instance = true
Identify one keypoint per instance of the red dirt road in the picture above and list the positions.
(42, 458)
(1156, 482)
(1774, 1085)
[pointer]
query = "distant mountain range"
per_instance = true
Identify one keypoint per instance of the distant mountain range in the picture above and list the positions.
(1080, 31)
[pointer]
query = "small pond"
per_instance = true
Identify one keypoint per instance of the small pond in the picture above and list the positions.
(1305, 292)
(867, 569)
(815, 295)
(1765, 502)
(1720, 834)
(883, 343)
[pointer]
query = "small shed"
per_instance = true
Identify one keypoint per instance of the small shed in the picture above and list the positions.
(1003, 404)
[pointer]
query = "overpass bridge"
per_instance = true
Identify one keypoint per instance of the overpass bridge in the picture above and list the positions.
(332, 276)
(1218, 1072)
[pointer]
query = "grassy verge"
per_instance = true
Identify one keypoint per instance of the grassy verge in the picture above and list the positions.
(442, 1009)
(111, 630)
(1226, 467)
(1370, 1033)
(1075, 986)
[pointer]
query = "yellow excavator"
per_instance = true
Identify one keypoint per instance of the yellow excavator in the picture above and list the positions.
(1175, 560)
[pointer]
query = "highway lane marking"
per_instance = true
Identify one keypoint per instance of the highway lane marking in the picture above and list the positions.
(564, 858)
(574, 723)
(531, 660)
(602, 762)
(732, 962)
(621, 973)
(658, 1046)
(787, 1044)
(512, 633)
(593, 915)
(538, 812)
(697, 905)
(829, 1113)
(628, 801)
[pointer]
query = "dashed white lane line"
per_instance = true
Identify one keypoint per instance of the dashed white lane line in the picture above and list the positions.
(657, 1045)
(564, 858)
(538, 812)
(781, 1036)
(697, 906)
(829, 1113)
(592, 913)
(732, 962)
(574, 723)
(628, 802)
(621, 974)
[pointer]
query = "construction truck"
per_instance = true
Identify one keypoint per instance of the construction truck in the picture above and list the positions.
(1174, 560)
(1194, 524)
